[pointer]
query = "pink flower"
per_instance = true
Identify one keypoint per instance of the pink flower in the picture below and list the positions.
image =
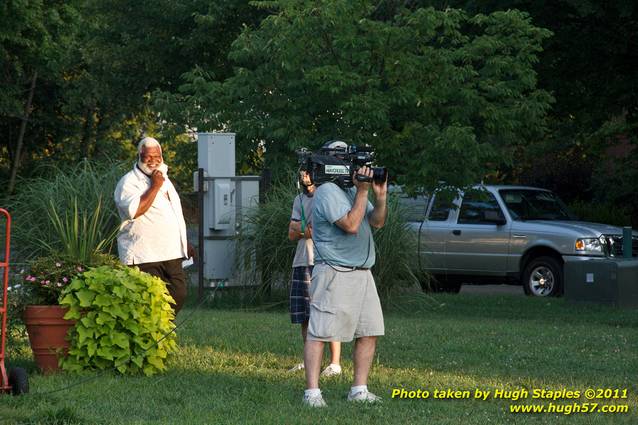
(65, 280)
(29, 278)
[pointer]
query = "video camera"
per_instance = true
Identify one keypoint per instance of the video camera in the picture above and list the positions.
(337, 162)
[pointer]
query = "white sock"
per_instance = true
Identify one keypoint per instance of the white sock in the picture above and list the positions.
(312, 392)
(358, 388)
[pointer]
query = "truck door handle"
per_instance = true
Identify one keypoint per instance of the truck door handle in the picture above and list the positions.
(456, 232)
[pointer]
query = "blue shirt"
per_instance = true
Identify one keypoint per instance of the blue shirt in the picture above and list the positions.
(331, 244)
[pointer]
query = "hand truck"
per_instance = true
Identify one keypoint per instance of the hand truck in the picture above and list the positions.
(16, 380)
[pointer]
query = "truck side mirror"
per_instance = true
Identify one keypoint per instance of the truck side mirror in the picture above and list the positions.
(491, 216)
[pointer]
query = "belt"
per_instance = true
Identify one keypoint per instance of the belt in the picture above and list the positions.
(345, 267)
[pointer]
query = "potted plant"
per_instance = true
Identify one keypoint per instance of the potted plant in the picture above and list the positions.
(124, 321)
(43, 315)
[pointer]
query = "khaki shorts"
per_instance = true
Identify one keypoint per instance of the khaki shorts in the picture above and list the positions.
(343, 305)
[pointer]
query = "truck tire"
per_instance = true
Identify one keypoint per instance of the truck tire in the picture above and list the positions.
(543, 277)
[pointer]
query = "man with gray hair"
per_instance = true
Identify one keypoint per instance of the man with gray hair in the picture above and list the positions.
(152, 235)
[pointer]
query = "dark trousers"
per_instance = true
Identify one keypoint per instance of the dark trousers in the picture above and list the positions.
(172, 273)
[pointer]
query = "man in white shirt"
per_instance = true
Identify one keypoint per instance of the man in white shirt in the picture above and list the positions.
(153, 232)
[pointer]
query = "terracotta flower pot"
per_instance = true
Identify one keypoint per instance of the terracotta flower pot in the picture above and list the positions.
(47, 331)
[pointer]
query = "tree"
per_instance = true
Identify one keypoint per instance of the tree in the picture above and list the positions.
(441, 95)
(98, 64)
(589, 66)
(33, 39)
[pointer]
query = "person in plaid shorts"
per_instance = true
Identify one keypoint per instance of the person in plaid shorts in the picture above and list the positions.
(300, 230)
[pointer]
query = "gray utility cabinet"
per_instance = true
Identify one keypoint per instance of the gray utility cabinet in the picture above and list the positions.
(611, 281)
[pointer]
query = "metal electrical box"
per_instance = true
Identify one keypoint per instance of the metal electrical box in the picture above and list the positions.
(226, 199)
(222, 205)
(611, 281)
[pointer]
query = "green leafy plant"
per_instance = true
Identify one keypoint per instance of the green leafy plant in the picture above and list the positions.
(82, 235)
(47, 278)
(124, 321)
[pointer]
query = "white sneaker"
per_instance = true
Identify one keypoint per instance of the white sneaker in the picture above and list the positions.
(364, 397)
(331, 370)
(314, 401)
(297, 367)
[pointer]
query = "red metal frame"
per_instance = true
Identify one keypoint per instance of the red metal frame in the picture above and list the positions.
(4, 378)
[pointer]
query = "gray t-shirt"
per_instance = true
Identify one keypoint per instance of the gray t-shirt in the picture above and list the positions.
(304, 255)
(333, 245)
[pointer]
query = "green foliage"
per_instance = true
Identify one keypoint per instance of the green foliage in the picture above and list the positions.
(601, 212)
(68, 211)
(47, 277)
(441, 95)
(396, 249)
(82, 236)
(263, 238)
(124, 321)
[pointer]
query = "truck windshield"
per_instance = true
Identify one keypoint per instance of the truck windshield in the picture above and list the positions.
(529, 204)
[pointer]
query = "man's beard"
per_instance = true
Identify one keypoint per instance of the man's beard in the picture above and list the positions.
(146, 169)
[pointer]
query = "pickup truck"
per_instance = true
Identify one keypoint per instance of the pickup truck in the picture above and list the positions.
(506, 234)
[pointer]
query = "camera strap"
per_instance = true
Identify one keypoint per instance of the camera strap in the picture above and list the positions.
(303, 215)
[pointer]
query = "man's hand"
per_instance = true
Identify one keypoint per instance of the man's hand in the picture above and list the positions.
(157, 178)
(362, 186)
(380, 190)
(308, 232)
(295, 233)
(148, 197)
(191, 251)
(380, 211)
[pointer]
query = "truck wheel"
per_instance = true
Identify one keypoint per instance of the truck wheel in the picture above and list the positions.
(543, 277)
(19, 381)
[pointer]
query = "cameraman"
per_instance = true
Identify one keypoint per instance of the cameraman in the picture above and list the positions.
(344, 300)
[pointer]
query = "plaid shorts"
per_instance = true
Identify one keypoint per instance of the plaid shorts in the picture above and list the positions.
(299, 298)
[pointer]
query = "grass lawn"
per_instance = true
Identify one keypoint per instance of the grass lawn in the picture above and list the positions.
(232, 368)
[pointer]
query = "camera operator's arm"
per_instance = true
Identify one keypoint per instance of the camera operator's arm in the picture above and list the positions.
(294, 231)
(350, 222)
(380, 212)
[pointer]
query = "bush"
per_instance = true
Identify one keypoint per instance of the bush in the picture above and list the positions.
(124, 321)
(396, 246)
(601, 212)
(263, 239)
(67, 211)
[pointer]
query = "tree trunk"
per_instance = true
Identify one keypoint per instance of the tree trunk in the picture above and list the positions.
(87, 132)
(23, 128)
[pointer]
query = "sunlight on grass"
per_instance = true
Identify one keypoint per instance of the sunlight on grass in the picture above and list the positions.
(232, 365)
